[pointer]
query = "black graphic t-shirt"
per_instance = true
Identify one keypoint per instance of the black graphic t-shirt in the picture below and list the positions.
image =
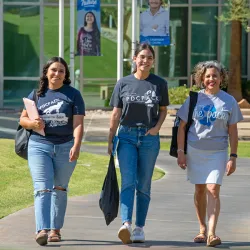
(140, 100)
(88, 43)
(57, 108)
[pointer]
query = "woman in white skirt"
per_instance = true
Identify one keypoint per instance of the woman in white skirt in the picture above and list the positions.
(215, 118)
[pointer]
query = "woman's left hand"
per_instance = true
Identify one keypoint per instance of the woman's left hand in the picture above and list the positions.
(74, 153)
(231, 166)
(152, 131)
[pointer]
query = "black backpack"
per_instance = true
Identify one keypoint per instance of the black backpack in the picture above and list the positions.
(174, 147)
(22, 137)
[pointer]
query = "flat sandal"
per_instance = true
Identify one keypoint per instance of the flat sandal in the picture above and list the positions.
(213, 240)
(201, 237)
(54, 237)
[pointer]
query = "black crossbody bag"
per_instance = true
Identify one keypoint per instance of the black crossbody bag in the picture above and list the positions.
(174, 146)
(22, 137)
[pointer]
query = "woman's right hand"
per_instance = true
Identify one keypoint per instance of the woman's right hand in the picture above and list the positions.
(110, 147)
(38, 124)
(181, 160)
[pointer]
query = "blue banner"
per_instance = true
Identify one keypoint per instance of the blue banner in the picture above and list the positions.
(88, 28)
(155, 40)
(154, 23)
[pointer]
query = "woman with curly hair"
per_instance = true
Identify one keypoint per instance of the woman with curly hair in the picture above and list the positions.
(215, 118)
(52, 158)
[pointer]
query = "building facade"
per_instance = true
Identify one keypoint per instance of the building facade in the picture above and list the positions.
(29, 34)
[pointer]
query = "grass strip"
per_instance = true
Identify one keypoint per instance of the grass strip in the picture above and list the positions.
(243, 147)
(16, 184)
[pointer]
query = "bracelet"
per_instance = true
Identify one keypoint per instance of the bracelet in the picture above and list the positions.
(180, 150)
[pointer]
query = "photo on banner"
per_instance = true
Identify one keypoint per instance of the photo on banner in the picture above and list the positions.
(154, 22)
(88, 28)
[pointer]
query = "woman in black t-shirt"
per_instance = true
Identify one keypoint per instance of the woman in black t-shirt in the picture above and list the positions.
(139, 105)
(88, 39)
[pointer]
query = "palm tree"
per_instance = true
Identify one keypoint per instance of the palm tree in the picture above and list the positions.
(238, 13)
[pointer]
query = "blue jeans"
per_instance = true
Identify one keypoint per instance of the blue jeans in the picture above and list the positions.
(137, 155)
(50, 167)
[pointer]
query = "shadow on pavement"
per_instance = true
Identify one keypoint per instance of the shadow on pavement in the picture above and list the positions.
(149, 244)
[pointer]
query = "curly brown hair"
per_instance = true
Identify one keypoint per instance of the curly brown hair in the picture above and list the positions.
(43, 83)
(200, 70)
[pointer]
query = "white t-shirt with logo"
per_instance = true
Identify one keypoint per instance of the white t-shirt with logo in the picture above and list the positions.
(211, 117)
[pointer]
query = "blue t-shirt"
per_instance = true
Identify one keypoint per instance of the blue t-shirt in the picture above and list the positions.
(140, 100)
(57, 108)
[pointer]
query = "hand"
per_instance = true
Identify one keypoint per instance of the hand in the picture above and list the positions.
(110, 148)
(154, 27)
(74, 153)
(38, 124)
(152, 131)
(181, 160)
(231, 166)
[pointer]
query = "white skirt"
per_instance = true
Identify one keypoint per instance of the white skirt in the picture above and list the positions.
(206, 166)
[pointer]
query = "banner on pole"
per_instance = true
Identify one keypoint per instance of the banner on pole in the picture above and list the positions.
(154, 22)
(88, 28)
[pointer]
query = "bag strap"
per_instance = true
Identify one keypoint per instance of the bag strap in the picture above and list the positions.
(193, 100)
(35, 97)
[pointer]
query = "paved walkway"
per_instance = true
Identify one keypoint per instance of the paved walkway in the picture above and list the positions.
(171, 220)
(97, 125)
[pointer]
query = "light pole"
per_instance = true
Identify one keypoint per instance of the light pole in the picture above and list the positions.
(61, 28)
(134, 26)
(72, 42)
(120, 40)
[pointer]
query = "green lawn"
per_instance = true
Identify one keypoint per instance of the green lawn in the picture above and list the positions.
(243, 147)
(16, 185)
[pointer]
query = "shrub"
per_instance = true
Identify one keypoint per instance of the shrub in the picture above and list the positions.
(246, 90)
(178, 95)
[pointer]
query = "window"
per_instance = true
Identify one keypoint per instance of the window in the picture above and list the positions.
(21, 40)
(173, 59)
(225, 47)
(32, 1)
(204, 1)
(204, 34)
(14, 91)
(178, 1)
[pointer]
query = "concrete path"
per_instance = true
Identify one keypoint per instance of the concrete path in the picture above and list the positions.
(171, 222)
(96, 125)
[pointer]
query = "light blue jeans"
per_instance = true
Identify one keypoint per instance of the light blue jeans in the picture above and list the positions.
(137, 155)
(50, 167)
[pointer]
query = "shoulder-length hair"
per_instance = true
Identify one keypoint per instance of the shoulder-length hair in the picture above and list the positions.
(200, 70)
(43, 83)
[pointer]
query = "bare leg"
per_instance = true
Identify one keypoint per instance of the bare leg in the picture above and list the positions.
(200, 202)
(213, 208)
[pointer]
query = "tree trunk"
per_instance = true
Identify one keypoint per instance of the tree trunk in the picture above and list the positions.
(234, 85)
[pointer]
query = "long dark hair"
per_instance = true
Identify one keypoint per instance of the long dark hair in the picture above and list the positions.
(95, 26)
(141, 47)
(43, 84)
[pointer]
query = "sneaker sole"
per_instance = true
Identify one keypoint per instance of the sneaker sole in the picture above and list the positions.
(124, 236)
